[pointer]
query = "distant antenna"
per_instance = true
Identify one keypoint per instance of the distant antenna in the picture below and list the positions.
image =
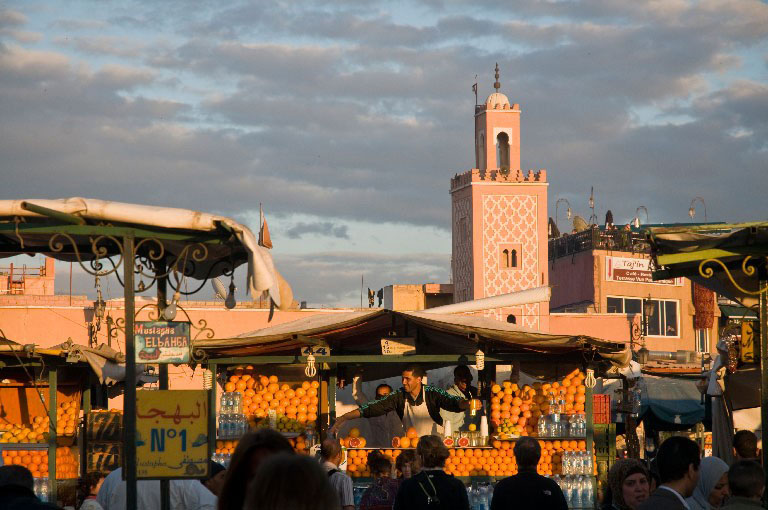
(497, 84)
(474, 89)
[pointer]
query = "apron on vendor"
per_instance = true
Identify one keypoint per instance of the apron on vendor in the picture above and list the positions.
(417, 405)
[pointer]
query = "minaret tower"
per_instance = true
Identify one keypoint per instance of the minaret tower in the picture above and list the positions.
(499, 216)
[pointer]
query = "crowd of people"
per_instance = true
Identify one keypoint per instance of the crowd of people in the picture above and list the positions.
(266, 474)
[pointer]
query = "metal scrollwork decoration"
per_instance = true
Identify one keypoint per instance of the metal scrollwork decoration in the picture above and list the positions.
(747, 268)
(57, 244)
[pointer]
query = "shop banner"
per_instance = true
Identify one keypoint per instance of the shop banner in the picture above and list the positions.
(171, 434)
(162, 342)
(621, 269)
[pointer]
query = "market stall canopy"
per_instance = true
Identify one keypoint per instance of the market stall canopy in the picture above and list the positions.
(361, 333)
(107, 364)
(85, 229)
(723, 258)
(668, 403)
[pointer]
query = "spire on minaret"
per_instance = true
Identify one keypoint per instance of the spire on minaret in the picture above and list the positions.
(497, 85)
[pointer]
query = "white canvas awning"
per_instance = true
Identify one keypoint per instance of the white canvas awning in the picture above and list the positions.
(262, 274)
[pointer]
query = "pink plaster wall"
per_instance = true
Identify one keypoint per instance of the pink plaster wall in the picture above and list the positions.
(607, 326)
(572, 279)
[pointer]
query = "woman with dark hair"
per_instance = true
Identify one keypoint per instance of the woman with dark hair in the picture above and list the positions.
(89, 488)
(406, 464)
(251, 450)
(628, 485)
(381, 494)
(290, 482)
(432, 488)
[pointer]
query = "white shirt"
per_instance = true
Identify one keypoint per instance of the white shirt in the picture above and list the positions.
(341, 483)
(185, 494)
(679, 496)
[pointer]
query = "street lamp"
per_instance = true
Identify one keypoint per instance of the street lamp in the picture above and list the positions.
(593, 217)
(568, 211)
(643, 353)
(692, 209)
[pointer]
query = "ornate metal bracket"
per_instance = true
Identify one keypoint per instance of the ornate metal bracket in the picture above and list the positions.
(746, 268)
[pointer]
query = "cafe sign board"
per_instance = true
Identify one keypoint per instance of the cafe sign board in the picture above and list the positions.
(171, 434)
(162, 342)
(623, 269)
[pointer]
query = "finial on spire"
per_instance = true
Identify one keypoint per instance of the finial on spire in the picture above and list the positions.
(497, 85)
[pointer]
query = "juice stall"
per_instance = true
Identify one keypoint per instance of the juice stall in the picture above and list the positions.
(298, 365)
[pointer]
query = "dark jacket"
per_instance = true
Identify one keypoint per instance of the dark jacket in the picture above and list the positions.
(16, 497)
(739, 503)
(528, 490)
(449, 493)
(436, 399)
(662, 499)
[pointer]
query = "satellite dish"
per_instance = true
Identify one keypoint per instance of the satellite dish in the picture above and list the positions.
(219, 289)
(579, 224)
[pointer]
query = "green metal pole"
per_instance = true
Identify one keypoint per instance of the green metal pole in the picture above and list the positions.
(84, 442)
(129, 405)
(764, 367)
(162, 303)
(52, 405)
(590, 415)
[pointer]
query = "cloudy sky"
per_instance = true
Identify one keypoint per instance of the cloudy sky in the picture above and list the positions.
(347, 118)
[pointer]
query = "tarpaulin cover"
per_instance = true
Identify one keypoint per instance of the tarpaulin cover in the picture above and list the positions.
(262, 275)
(666, 398)
(360, 333)
(680, 251)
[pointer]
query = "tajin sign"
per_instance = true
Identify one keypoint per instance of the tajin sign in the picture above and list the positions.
(171, 434)
(162, 342)
(621, 269)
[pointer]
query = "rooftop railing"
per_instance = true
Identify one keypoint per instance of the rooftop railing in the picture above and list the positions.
(598, 239)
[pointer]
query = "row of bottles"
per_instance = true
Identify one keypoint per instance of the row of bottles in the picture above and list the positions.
(222, 458)
(577, 463)
(579, 490)
(232, 422)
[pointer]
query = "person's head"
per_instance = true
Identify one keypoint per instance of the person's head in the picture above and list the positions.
(746, 479)
(745, 445)
(628, 480)
(412, 375)
(462, 377)
(379, 464)
(678, 460)
(16, 475)
(251, 450)
(330, 451)
(432, 452)
(527, 452)
(407, 464)
(713, 482)
(91, 483)
(290, 481)
(383, 390)
(216, 476)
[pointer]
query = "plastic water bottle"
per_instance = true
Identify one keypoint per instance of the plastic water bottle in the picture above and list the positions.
(587, 493)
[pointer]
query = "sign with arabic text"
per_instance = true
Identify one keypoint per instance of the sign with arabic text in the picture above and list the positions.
(171, 434)
(624, 269)
(162, 342)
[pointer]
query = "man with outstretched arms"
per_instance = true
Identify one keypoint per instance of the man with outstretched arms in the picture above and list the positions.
(418, 405)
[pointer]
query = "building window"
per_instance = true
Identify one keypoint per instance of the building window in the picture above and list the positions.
(662, 322)
(502, 151)
(509, 256)
(702, 340)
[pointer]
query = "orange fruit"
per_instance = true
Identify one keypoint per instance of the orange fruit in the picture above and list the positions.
(405, 442)
(272, 379)
(229, 387)
(411, 433)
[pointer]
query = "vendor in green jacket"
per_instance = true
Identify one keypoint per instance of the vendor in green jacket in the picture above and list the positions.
(418, 405)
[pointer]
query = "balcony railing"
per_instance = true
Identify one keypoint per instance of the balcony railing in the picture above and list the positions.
(597, 239)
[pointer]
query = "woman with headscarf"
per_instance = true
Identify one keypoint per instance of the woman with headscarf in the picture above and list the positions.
(712, 488)
(628, 485)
